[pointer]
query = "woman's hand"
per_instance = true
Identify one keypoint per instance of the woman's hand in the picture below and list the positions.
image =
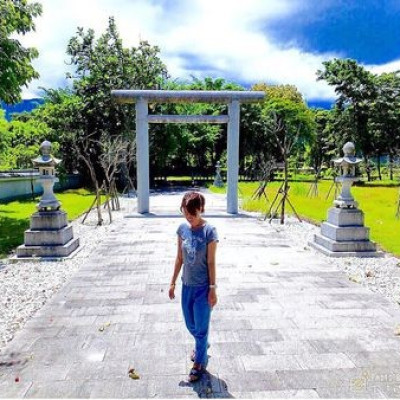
(171, 292)
(212, 297)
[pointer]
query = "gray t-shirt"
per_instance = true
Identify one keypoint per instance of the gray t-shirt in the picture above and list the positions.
(194, 250)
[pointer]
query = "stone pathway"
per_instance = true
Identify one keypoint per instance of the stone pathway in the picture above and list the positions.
(288, 324)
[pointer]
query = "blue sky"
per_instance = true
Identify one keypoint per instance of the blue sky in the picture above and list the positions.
(273, 41)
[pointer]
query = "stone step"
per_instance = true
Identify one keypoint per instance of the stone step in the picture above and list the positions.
(344, 233)
(48, 251)
(345, 216)
(347, 246)
(48, 220)
(49, 237)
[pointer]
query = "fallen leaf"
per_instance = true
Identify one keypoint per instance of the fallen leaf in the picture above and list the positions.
(354, 278)
(132, 374)
(274, 263)
(397, 330)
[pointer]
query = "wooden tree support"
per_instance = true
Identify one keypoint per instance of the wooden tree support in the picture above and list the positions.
(97, 200)
(398, 207)
(335, 185)
(284, 197)
(129, 187)
(313, 190)
(260, 191)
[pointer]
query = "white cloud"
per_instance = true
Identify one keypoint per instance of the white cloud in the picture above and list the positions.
(225, 35)
(380, 69)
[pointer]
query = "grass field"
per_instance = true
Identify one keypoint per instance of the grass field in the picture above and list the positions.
(15, 216)
(379, 204)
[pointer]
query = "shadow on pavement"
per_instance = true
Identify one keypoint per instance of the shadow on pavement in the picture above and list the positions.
(209, 386)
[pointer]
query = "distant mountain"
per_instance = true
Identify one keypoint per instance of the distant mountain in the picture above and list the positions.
(31, 104)
(23, 106)
(324, 104)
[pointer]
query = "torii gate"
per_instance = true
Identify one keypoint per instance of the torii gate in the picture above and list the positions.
(142, 98)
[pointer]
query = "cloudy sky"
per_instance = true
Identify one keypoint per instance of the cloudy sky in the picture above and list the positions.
(245, 41)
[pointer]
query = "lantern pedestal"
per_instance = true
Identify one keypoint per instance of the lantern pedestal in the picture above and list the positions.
(344, 235)
(49, 236)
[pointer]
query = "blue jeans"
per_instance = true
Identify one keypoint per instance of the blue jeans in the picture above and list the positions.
(197, 312)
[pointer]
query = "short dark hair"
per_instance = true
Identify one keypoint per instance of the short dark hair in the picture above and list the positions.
(193, 202)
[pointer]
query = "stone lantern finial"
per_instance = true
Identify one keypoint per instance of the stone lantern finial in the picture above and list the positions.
(45, 148)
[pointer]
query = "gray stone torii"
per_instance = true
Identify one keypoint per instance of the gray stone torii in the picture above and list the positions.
(143, 97)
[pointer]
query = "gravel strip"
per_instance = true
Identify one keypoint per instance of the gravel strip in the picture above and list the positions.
(26, 286)
(380, 274)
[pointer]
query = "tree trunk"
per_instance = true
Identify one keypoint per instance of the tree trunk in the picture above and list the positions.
(379, 167)
(285, 187)
(367, 168)
(391, 160)
(98, 205)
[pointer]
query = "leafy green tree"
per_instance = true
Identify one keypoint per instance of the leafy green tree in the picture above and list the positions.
(321, 149)
(356, 90)
(384, 122)
(20, 141)
(284, 92)
(291, 125)
(16, 17)
(61, 114)
(103, 65)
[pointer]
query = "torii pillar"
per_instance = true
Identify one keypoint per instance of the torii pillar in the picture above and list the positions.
(142, 98)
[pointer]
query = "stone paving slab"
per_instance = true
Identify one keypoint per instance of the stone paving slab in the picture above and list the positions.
(288, 324)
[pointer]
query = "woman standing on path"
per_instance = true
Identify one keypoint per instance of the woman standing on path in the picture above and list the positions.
(197, 244)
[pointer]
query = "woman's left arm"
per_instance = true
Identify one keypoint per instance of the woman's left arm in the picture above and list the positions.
(211, 252)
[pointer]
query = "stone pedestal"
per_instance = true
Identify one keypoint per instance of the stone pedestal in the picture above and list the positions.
(344, 235)
(49, 236)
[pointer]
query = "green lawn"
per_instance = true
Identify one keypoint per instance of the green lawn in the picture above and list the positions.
(379, 204)
(15, 216)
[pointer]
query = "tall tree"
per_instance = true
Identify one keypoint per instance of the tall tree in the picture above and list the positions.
(102, 65)
(321, 149)
(16, 17)
(385, 117)
(356, 91)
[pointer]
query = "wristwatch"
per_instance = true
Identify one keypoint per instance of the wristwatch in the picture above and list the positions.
(213, 286)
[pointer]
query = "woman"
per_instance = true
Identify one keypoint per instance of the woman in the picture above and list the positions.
(197, 244)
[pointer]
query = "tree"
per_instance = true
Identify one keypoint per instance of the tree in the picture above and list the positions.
(356, 91)
(284, 92)
(20, 142)
(100, 66)
(17, 17)
(321, 149)
(291, 125)
(385, 117)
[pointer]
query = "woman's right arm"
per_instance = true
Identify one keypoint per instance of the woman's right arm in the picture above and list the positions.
(177, 269)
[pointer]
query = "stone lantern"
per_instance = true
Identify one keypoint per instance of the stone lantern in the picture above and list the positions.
(344, 233)
(218, 182)
(50, 237)
(47, 177)
(347, 165)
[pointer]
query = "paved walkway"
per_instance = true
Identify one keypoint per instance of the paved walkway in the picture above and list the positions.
(287, 325)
